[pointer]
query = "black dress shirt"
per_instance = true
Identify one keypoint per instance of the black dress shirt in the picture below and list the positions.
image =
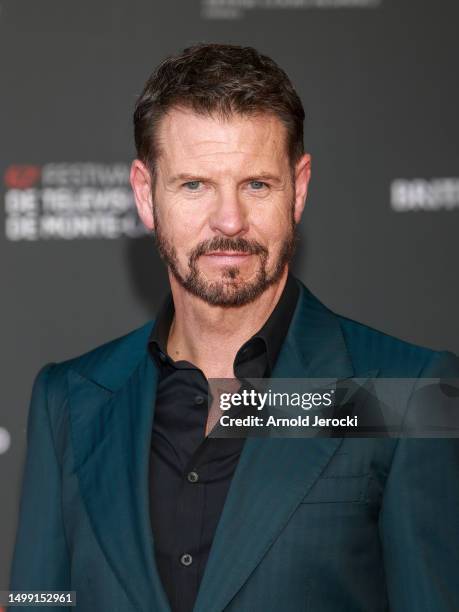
(190, 473)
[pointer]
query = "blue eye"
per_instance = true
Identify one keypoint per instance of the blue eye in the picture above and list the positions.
(192, 185)
(257, 185)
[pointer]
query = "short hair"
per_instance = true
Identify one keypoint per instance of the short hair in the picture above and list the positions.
(222, 80)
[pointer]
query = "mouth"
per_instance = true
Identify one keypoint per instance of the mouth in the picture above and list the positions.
(227, 257)
(228, 254)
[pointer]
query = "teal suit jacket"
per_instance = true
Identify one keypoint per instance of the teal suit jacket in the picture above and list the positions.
(319, 524)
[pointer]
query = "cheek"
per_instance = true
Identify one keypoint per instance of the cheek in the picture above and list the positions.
(272, 225)
(181, 222)
(183, 228)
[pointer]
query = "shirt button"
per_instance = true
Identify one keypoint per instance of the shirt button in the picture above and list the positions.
(186, 559)
(192, 477)
(199, 399)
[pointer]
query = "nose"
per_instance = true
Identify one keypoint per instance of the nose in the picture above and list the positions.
(229, 215)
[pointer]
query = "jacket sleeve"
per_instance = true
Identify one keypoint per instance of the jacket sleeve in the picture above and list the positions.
(41, 560)
(419, 519)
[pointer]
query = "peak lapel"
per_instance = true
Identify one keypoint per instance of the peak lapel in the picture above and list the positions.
(274, 474)
(111, 435)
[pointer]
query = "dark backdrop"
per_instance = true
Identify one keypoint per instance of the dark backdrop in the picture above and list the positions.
(380, 236)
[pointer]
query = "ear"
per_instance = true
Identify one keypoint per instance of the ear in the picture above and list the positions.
(302, 177)
(141, 186)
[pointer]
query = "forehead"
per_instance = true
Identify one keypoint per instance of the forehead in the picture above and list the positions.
(184, 135)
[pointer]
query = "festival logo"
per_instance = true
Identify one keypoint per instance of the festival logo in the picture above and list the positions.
(236, 9)
(419, 194)
(5, 442)
(70, 201)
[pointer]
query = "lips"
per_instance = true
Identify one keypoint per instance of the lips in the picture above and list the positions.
(228, 254)
(227, 257)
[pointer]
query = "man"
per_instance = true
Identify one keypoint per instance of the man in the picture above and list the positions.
(127, 500)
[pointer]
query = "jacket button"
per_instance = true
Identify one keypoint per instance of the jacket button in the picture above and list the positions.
(199, 400)
(192, 477)
(186, 559)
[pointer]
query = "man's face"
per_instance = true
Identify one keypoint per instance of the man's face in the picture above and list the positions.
(225, 204)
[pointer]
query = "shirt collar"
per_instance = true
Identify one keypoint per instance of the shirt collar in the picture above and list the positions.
(257, 356)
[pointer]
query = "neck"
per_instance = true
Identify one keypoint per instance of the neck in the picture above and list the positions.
(210, 336)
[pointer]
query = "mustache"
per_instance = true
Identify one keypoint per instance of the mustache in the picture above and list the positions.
(222, 243)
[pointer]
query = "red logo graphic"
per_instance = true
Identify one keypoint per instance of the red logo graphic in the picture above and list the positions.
(22, 177)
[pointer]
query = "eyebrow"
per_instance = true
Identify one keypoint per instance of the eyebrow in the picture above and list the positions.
(265, 176)
(184, 176)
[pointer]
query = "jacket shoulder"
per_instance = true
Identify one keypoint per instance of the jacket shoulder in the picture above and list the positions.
(370, 348)
(110, 363)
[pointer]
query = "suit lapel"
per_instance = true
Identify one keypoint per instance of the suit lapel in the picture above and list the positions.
(111, 425)
(111, 435)
(274, 474)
